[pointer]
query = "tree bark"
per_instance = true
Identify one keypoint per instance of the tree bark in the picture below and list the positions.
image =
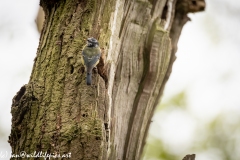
(57, 113)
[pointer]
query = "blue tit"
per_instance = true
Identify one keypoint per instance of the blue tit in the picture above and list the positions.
(91, 55)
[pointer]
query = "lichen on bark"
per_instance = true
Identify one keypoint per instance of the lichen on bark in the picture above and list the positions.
(56, 112)
(66, 115)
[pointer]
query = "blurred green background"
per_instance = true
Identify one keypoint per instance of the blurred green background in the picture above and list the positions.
(200, 109)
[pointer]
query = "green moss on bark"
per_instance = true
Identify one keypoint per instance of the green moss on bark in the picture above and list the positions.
(63, 113)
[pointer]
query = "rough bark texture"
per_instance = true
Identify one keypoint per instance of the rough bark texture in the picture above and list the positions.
(57, 113)
(189, 157)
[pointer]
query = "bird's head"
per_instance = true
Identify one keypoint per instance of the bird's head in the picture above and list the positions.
(92, 42)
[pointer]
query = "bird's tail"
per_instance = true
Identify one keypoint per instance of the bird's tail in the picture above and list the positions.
(89, 78)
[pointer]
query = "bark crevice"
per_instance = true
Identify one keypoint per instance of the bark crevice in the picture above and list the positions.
(57, 112)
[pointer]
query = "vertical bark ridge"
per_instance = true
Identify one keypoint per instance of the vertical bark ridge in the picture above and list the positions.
(56, 112)
(69, 116)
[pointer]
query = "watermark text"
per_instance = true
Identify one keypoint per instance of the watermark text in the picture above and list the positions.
(35, 154)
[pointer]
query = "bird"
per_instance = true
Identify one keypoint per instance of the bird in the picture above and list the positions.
(91, 54)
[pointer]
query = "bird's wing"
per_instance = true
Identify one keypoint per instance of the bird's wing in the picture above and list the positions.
(85, 57)
(91, 57)
(94, 59)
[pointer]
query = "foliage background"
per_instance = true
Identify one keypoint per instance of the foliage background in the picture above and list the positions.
(200, 109)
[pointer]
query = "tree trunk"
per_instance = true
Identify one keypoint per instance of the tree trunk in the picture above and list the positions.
(58, 114)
